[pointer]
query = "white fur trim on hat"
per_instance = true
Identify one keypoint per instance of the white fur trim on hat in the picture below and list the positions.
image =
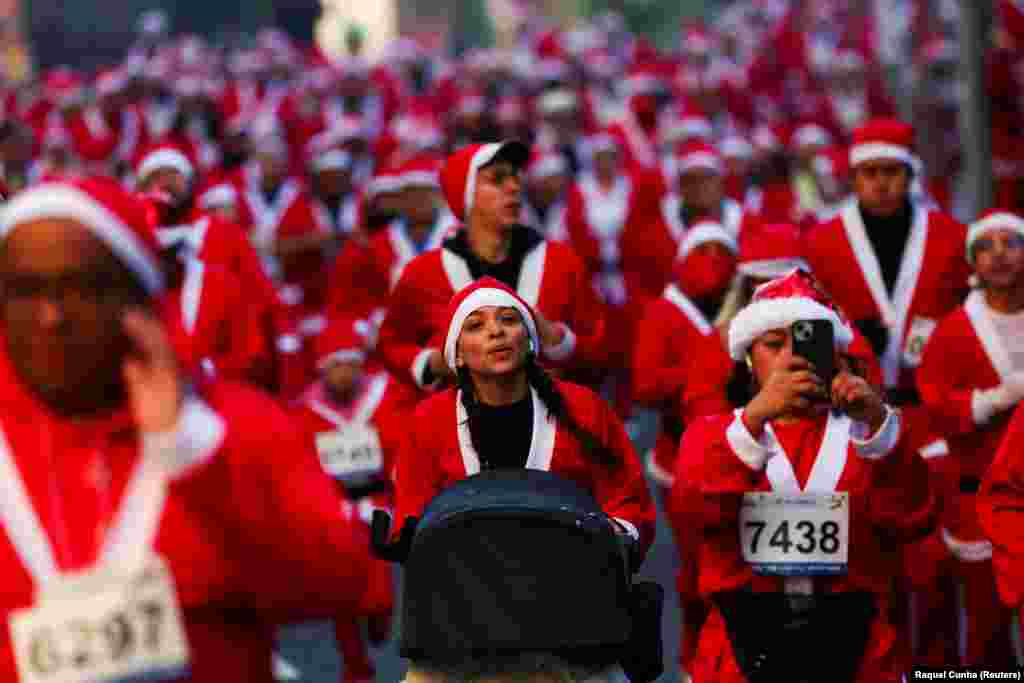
(699, 160)
(418, 179)
(485, 296)
(702, 233)
(343, 356)
(483, 156)
(57, 200)
(775, 314)
(878, 151)
(772, 268)
(218, 195)
(995, 221)
(165, 158)
(332, 160)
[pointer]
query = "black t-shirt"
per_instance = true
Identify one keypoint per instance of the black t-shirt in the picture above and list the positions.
(505, 434)
(523, 239)
(888, 236)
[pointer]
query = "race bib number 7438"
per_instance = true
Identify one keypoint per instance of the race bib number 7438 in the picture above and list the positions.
(800, 534)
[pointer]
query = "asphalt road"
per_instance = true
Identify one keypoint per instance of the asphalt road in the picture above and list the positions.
(309, 654)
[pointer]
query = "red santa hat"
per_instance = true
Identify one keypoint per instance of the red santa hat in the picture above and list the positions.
(832, 163)
(545, 163)
(161, 157)
(882, 139)
(771, 251)
(702, 233)
(339, 342)
(458, 177)
(111, 82)
(993, 219)
(108, 211)
(699, 155)
(220, 195)
(63, 86)
(421, 171)
(385, 181)
(810, 135)
(556, 101)
(485, 292)
(780, 303)
(736, 147)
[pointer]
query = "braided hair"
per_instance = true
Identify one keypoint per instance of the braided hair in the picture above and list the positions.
(552, 399)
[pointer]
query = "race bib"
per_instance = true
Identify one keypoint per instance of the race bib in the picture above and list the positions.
(920, 332)
(352, 455)
(105, 629)
(798, 534)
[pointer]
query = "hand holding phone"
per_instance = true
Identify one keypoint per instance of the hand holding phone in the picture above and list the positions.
(814, 340)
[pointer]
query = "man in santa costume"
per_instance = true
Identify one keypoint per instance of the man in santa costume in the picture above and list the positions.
(363, 277)
(971, 378)
(355, 416)
(507, 412)
(777, 608)
(895, 268)
(698, 193)
(547, 182)
(154, 508)
(214, 251)
(482, 186)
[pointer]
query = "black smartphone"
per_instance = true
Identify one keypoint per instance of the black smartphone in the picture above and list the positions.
(814, 340)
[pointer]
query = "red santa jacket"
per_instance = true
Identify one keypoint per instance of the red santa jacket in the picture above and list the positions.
(890, 500)
(380, 402)
(552, 280)
(221, 243)
(438, 452)
(1001, 513)
(362, 277)
(213, 327)
(964, 354)
(670, 335)
(603, 226)
(243, 482)
(931, 283)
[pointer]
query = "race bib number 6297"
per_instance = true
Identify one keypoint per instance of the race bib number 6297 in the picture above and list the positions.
(801, 534)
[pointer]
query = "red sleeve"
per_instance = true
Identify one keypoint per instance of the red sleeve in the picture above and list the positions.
(902, 505)
(587, 319)
(266, 485)
(246, 263)
(1001, 512)
(403, 334)
(944, 391)
(657, 373)
(418, 475)
(579, 232)
(356, 286)
(622, 491)
(710, 369)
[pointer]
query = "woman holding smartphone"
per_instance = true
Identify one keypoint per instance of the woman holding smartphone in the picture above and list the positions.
(801, 499)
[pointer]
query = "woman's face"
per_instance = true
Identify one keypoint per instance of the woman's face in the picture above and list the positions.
(494, 341)
(999, 258)
(767, 351)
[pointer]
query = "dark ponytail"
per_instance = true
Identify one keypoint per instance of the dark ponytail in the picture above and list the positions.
(553, 400)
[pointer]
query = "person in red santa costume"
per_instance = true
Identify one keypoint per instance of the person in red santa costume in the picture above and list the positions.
(363, 277)
(152, 506)
(820, 588)
(971, 377)
(482, 186)
(355, 415)
(895, 268)
(216, 256)
(699, 193)
(507, 412)
(676, 342)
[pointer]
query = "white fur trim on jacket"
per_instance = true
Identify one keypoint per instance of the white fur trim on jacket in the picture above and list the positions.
(774, 314)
